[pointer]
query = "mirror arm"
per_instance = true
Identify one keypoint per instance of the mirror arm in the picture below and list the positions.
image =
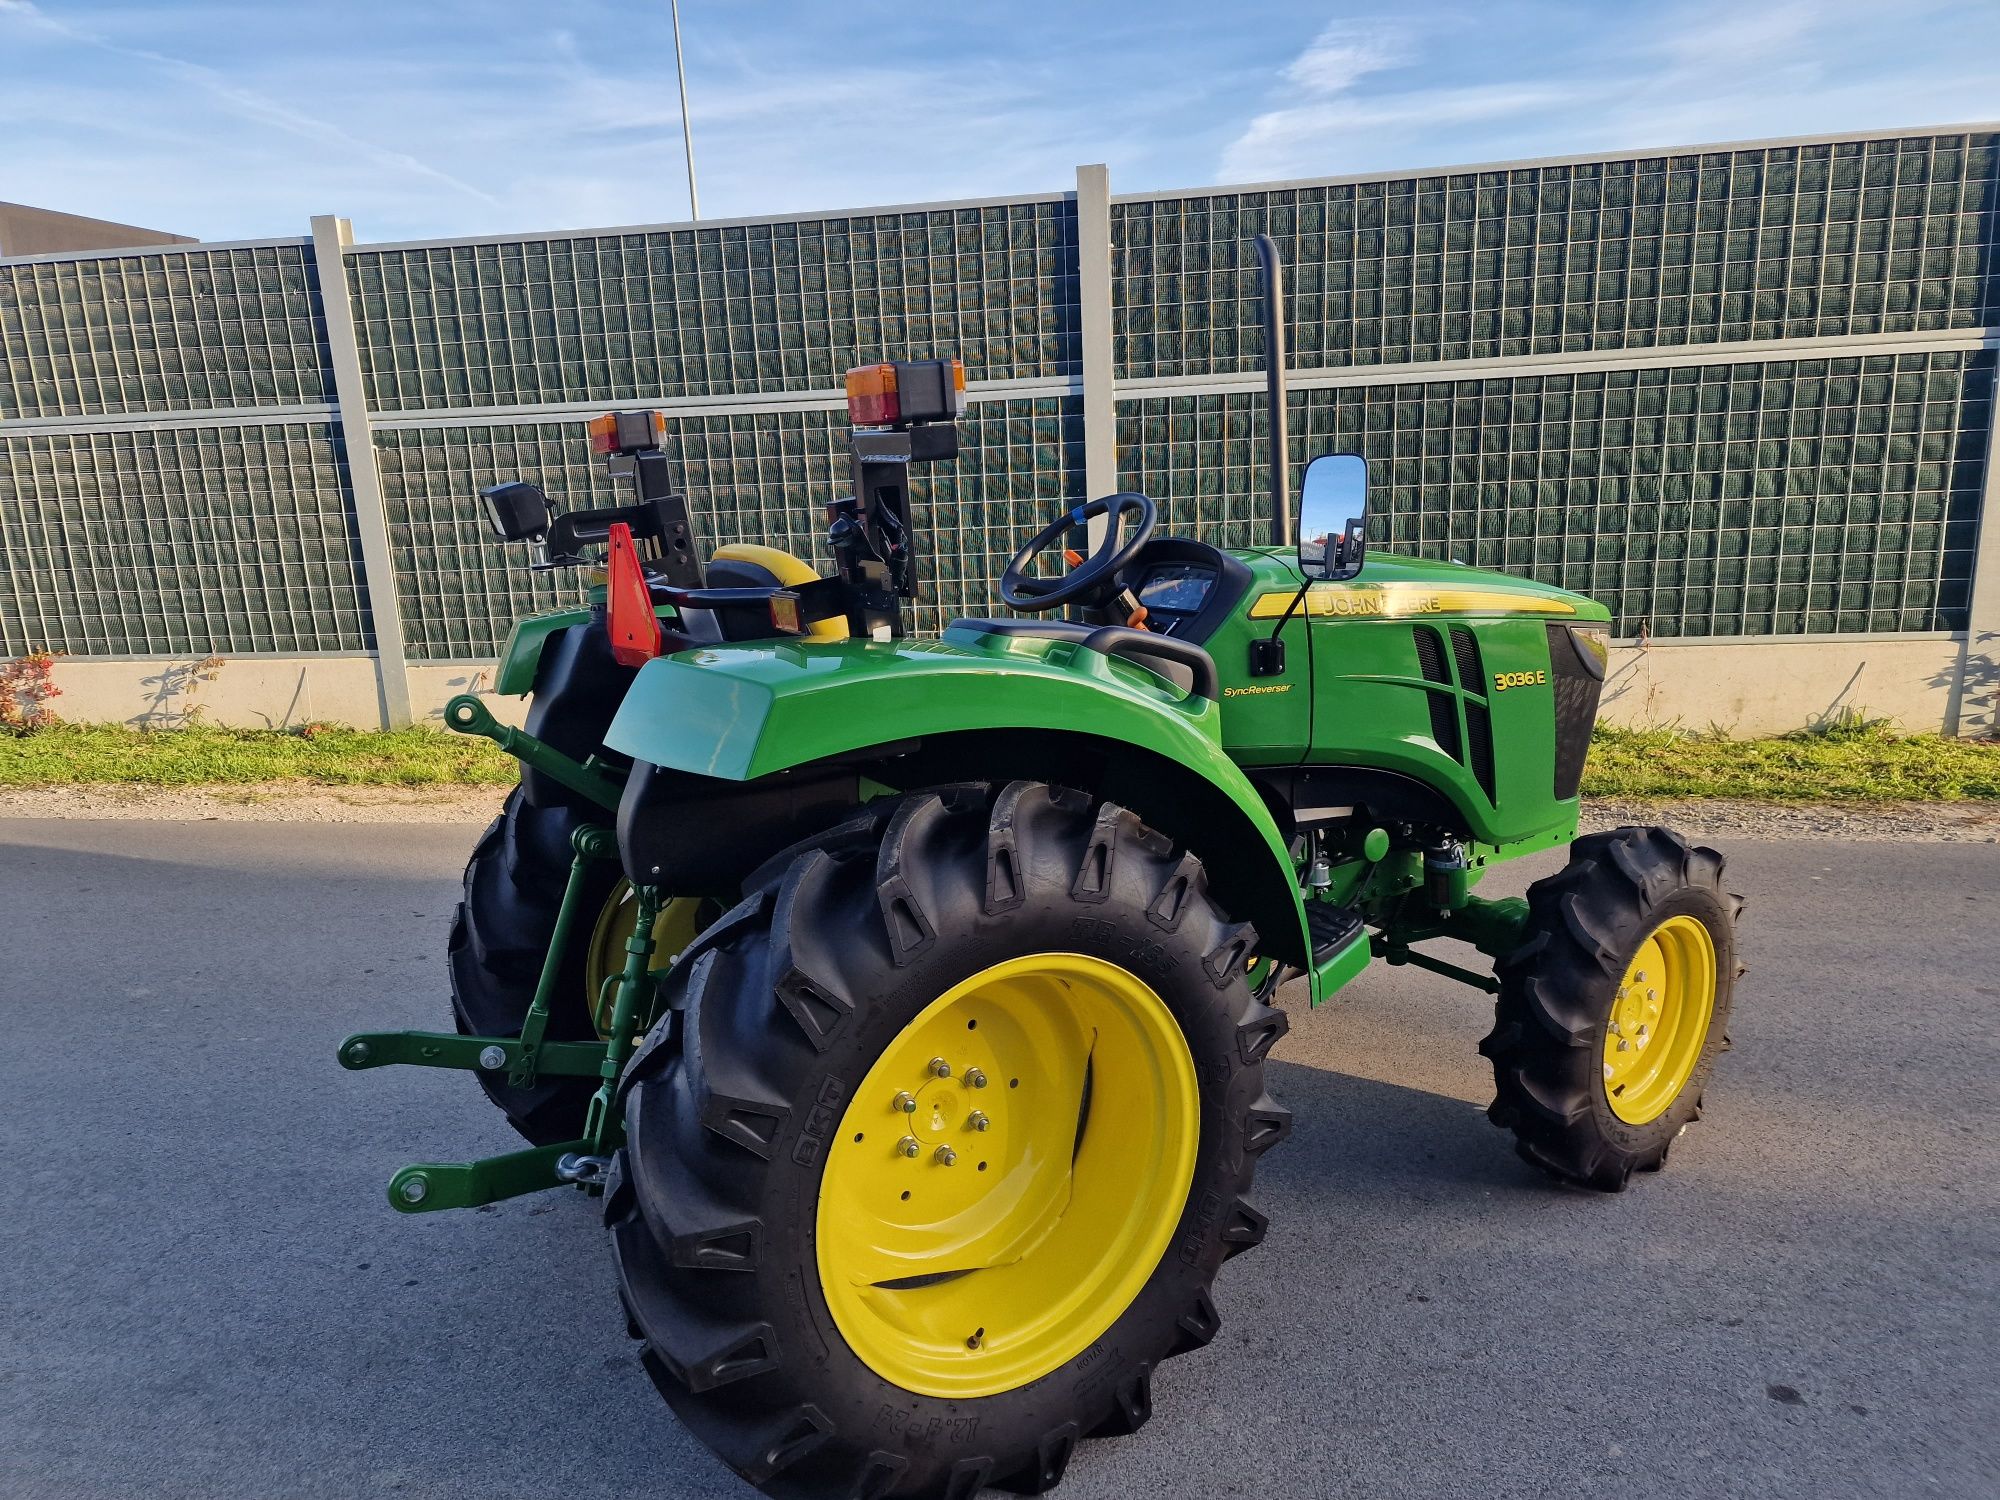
(1291, 609)
(1267, 656)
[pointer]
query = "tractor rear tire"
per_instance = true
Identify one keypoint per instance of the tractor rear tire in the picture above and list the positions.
(756, 1144)
(1585, 1101)
(499, 936)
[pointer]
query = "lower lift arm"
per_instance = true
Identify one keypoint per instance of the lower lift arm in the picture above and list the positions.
(430, 1186)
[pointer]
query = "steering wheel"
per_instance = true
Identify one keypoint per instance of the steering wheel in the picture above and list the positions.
(1095, 572)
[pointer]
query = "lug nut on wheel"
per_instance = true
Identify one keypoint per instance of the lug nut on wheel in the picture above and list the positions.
(978, 1121)
(945, 1156)
(909, 1145)
(974, 1078)
(940, 1067)
(906, 1102)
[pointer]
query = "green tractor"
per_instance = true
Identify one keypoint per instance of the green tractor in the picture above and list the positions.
(906, 1000)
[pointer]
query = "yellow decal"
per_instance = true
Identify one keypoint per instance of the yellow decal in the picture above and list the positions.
(1504, 680)
(1399, 600)
(1240, 692)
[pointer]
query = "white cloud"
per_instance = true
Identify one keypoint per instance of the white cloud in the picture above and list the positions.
(1524, 78)
(1341, 55)
(228, 118)
(1308, 139)
(1326, 111)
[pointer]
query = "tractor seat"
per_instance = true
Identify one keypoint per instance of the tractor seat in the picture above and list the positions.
(1182, 663)
(749, 565)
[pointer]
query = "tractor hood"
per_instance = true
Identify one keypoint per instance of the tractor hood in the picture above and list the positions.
(1393, 585)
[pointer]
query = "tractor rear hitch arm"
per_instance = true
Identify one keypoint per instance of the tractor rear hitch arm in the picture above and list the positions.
(468, 715)
(428, 1187)
(475, 1054)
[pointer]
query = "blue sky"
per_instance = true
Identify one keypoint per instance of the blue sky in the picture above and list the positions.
(421, 118)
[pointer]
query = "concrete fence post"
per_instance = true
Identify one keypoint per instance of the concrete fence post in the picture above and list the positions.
(1093, 295)
(1977, 706)
(330, 238)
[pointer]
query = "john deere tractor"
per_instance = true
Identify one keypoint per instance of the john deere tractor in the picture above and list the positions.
(906, 1000)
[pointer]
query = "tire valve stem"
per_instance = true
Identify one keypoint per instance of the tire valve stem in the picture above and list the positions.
(978, 1335)
(909, 1145)
(905, 1102)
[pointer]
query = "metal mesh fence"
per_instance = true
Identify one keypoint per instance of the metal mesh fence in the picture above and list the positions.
(186, 541)
(1822, 494)
(1796, 241)
(729, 310)
(1835, 495)
(190, 330)
(755, 478)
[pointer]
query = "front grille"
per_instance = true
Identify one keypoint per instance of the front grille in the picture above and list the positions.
(1430, 654)
(1444, 713)
(1444, 724)
(1465, 651)
(1478, 723)
(1479, 732)
(1576, 690)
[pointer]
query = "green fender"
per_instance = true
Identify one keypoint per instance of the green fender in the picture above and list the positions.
(515, 674)
(744, 711)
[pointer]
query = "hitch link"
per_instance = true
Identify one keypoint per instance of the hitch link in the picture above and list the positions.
(634, 983)
(584, 1171)
(428, 1187)
(468, 715)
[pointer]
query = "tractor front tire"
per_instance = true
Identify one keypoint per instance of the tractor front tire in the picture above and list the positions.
(499, 937)
(1612, 1009)
(939, 1147)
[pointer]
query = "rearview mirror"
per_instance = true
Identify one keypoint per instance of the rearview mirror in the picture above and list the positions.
(518, 511)
(1333, 516)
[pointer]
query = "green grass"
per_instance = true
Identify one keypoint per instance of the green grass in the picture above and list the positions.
(1855, 762)
(1850, 762)
(73, 754)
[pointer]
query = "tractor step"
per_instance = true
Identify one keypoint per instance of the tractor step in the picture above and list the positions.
(1332, 928)
(1339, 946)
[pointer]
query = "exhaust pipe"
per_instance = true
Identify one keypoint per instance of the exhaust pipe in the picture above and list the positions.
(1274, 390)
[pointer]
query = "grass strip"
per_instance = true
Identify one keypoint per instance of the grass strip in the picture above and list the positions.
(78, 754)
(1842, 763)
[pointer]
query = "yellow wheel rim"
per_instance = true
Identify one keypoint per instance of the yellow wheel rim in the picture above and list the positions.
(673, 929)
(1659, 1020)
(964, 1261)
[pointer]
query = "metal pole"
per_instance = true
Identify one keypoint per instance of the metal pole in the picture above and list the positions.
(687, 126)
(1274, 388)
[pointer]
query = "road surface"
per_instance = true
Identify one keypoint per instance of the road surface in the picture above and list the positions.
(205, 1294)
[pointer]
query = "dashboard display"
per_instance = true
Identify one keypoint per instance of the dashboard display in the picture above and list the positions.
(1177, 588)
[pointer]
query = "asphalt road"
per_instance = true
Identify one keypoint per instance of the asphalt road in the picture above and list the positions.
(203, 1293)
